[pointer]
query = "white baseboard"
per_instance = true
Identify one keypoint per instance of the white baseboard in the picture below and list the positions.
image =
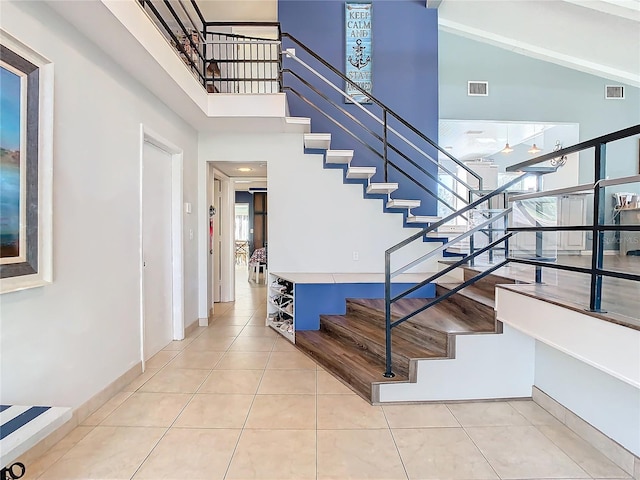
(203, 322)
(615, 452)
(191, 327)
(80, 414)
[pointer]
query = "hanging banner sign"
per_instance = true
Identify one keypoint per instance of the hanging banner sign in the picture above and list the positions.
(358, 53)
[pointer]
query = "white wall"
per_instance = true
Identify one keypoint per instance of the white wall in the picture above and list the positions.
(610, 405)
(315, 221)
(590, 366)
(485, 366)
(63, 343)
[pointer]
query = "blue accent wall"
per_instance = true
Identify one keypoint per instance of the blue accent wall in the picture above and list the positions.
(405, 78)
(331, 299)
(244, 197)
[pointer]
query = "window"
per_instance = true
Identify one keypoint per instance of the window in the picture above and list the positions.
(242, 221)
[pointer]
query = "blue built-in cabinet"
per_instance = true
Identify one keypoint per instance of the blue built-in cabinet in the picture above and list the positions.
(318, 294)
(404, 76)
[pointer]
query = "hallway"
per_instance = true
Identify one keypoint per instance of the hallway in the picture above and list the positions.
(236, 401)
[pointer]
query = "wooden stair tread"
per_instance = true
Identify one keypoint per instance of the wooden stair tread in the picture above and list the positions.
(377, 335)
(356, 369)
(501, 276)
(473, 292)
(439, 317)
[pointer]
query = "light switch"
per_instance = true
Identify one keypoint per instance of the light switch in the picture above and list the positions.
(187, 207)
(191, 234)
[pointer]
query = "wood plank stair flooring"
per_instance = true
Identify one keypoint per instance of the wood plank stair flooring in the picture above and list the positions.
(352, 346)
(355, 368)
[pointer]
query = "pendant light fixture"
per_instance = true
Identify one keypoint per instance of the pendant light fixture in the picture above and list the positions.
(534, 148)
(507, 148)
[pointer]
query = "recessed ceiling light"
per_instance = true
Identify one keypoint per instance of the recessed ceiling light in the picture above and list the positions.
(474, 132)
(244, 169)
(448, 147)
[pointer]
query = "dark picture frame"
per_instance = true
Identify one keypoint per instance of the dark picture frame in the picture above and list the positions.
(25, 171)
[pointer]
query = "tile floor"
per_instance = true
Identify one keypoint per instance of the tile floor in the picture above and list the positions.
(237, 401)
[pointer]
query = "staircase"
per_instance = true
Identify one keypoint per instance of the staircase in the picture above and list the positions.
(320, 143)
(355, 346)
(352, 346)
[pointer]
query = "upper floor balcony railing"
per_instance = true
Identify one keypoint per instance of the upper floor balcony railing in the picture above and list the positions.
(225, 57)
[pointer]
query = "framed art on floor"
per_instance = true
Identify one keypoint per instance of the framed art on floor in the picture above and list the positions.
(26, 108)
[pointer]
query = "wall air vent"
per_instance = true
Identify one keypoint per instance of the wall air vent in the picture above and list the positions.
(614, 92)
(477, 89)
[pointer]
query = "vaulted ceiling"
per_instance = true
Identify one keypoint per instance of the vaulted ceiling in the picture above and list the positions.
(601, 37)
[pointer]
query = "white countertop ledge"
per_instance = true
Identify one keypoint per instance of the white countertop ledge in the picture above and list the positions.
(325, 278)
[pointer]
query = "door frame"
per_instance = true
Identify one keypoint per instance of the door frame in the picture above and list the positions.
(147, 135)
(226, 246)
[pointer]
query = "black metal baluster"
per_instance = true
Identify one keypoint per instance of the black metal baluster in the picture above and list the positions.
(386, 144)
(597, 249)
(539, 237)
(387, 314)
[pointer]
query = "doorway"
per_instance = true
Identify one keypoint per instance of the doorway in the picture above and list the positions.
(258, 222)
(161, 254)
(234, 178)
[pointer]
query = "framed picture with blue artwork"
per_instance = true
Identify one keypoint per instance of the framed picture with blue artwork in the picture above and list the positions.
(26, 133)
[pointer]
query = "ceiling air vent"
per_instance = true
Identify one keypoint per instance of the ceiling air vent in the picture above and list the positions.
(477, 89)
(614, 92)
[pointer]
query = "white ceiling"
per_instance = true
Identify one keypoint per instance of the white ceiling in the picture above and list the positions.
(230, 169)
(601, 37)
(243, 181)
(479, 139)
(239, 10)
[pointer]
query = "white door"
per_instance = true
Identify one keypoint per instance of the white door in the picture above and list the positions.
(156, 249)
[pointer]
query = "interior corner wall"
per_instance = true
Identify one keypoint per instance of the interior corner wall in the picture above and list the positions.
(610, 405)
(63, 343)
(528, 89)
(405, 78)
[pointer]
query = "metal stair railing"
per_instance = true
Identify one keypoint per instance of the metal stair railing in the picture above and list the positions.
(530, 167)
(389, 274)
(227, 62)
(598, 226)
(380, 155)
(382, 120)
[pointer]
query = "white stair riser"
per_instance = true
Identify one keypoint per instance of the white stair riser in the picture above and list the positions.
(361, 172)
(320, 141)
(395, 203)
(342, 157)
(422, 219)
(382, 188)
